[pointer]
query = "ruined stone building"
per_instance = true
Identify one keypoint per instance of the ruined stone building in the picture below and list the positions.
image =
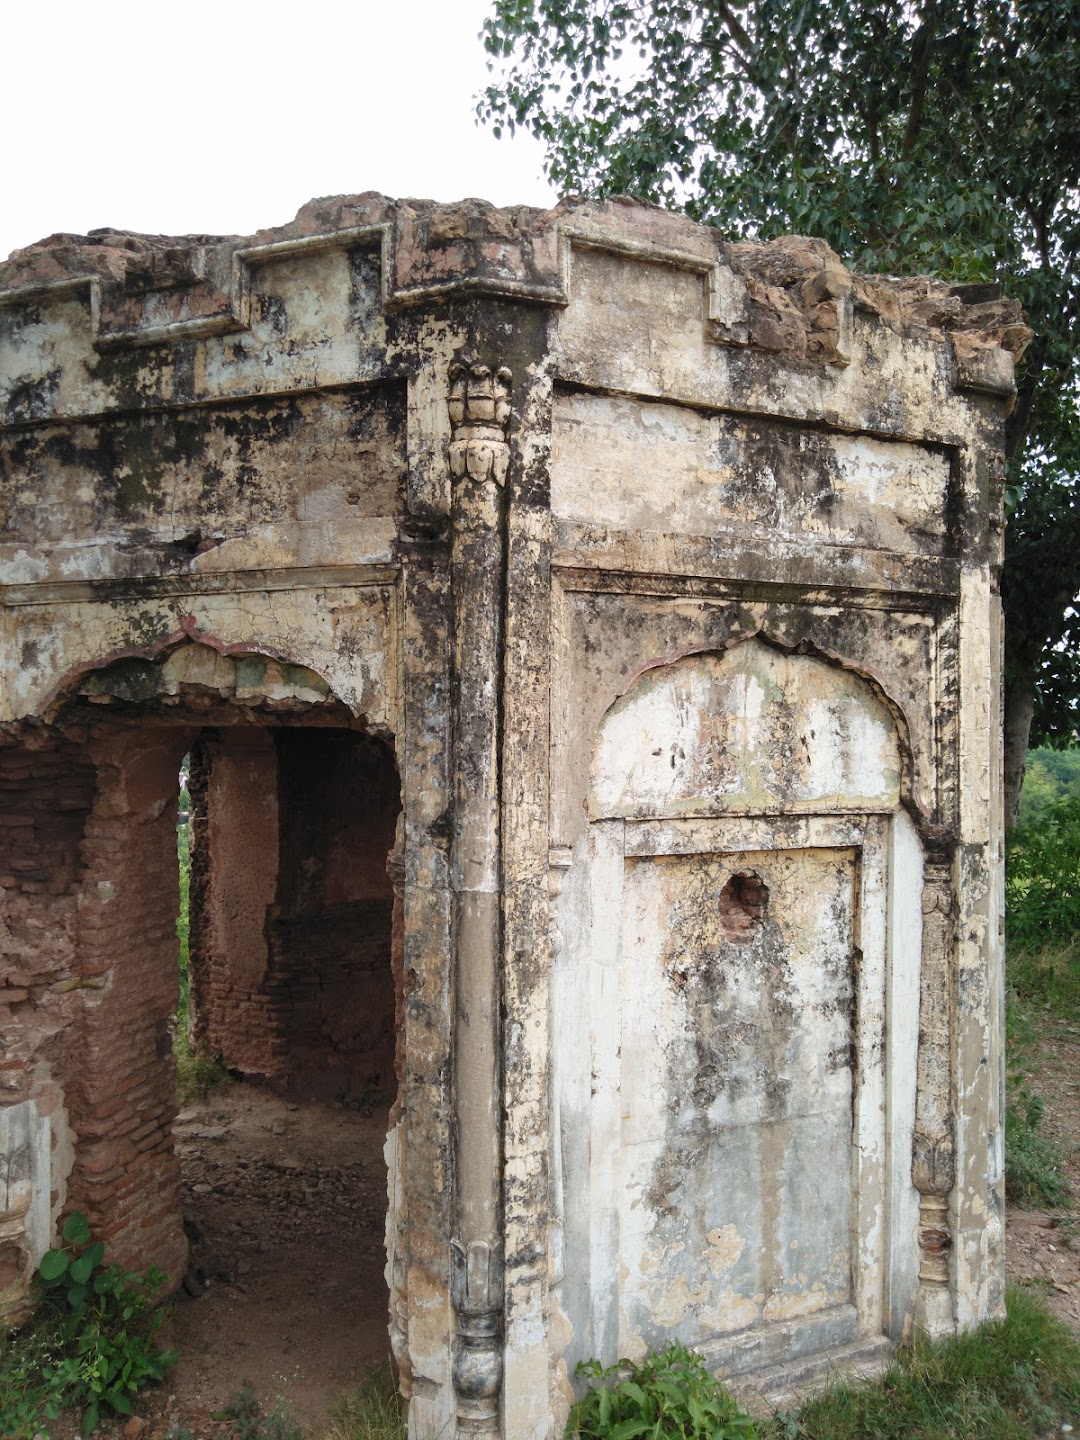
(585, 635)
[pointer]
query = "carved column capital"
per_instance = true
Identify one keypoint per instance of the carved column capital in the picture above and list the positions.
(479, 406)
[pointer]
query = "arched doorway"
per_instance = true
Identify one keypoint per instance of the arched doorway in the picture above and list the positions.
(295, 968)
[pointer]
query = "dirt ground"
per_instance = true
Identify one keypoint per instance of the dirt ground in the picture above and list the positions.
(286, 1206)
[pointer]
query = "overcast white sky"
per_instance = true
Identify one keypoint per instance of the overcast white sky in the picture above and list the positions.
(224, 116)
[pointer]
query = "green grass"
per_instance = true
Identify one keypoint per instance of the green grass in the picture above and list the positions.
(1048, 976)
(1014, 1380)
(372, 1410)
(1034, 1164)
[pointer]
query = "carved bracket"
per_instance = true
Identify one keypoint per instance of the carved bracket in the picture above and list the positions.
(479, 406)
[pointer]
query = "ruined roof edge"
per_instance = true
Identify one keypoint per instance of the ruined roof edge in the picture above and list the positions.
(792, 296)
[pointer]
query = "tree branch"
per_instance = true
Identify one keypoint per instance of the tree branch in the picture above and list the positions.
(922, 45)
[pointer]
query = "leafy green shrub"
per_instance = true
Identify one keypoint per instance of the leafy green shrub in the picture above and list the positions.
(91, 1344)
(1042, 886)
(669, 1396)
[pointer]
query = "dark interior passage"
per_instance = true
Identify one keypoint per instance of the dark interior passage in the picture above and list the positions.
(292, 908)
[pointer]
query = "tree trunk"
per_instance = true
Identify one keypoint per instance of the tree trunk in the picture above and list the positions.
(1019, 708)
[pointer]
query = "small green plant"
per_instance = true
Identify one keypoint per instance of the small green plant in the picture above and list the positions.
(669, 1396)
(247, 1421)
(196, 1074)
(373, 1410)
(1033, 1163)
(90, 1345)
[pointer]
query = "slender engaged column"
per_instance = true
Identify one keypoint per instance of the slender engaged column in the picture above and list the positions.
(933, 1170)
(479, 405)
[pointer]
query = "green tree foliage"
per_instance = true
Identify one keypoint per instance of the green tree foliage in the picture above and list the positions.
(939, 136)
(1043, 878)
(1051, 775)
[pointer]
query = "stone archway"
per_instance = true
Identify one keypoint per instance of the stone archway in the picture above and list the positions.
(298, 935)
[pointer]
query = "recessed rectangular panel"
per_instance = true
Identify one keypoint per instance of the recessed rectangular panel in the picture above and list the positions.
(715, 474)
(737, 1028)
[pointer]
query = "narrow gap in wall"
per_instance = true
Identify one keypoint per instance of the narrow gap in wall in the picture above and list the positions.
(292, 1009)
(187, 1070)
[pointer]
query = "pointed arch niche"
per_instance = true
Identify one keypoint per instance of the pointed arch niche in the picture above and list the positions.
(736, 1027)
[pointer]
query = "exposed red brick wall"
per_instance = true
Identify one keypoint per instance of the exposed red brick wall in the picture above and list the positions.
(88, 973)
(46, 793)
(292, 924)
(234, 856)
(331, 931)
(304, 996)
(126, 1175)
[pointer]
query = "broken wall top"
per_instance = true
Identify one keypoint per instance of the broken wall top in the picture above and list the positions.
(69, 301)
(196, 406)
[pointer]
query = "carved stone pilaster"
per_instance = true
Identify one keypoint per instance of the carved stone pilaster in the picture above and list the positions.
(479, 457)
(933, 1168)
(476, 1288)
(397, 1220)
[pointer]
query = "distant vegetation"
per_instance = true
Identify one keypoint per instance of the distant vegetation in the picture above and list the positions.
(1042, 926)
(1051, 775)
(196, 1074)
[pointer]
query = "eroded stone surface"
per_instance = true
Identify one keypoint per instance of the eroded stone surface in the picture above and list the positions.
(655, 579)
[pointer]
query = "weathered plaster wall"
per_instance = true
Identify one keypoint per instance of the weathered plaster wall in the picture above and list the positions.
(667, 569)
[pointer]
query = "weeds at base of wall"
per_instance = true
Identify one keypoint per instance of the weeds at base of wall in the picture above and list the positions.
(372, 1410)
(196, 1075)
(247, 1420)
(89, 1346)
(1018, 1379)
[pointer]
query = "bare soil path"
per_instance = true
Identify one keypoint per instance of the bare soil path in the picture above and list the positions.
(286, 1209)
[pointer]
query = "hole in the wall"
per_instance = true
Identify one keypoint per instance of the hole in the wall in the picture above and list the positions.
(743, 901)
